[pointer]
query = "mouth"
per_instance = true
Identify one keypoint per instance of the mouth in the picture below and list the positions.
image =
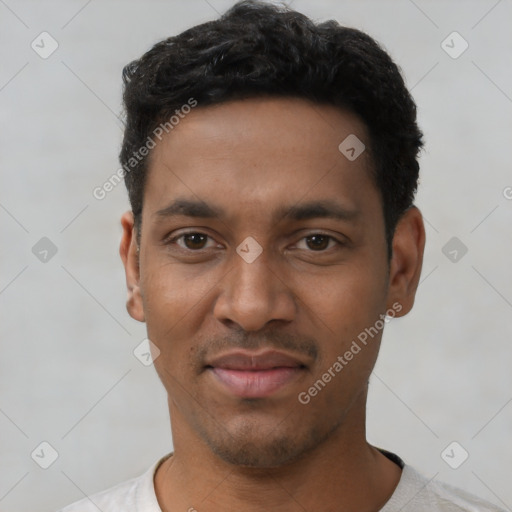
(260, 375)
(256, 383)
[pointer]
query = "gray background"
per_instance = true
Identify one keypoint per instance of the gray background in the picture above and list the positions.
(68, 375)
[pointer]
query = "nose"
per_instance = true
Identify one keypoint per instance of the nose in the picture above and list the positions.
(253, 295)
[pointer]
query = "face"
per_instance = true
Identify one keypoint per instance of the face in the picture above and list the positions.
(262, 260)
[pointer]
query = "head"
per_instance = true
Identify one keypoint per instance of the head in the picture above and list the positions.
(272, 208)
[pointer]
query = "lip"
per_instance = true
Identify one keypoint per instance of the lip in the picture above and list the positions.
(263, 360)
(255, 375)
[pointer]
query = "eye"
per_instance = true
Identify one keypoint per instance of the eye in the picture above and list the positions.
(193, 241)
(317, 242)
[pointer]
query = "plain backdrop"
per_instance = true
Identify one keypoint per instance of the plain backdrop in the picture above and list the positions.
(68, 373)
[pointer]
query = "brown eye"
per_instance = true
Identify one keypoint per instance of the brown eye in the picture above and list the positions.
(194, 240)
(191, 241)
(318, 242)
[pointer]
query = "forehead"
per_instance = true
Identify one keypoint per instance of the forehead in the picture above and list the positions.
(260, 153)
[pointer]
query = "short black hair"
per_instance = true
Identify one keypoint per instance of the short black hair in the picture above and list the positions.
(259, 49)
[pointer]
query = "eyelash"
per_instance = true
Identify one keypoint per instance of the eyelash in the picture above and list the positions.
(174, 239)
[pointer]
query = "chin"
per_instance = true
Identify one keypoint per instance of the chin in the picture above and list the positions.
(254, 455)
(267, 451)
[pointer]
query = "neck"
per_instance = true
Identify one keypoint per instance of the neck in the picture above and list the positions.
(343, 473)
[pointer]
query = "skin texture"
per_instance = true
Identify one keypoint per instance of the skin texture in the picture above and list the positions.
(255, 160)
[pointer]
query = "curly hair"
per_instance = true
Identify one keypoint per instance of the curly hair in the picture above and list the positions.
(261, 49)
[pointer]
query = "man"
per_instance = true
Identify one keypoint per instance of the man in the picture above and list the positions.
(271, 166)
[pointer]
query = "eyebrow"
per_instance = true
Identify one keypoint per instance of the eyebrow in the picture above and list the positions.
(189, 208)
(318, 209)
(305, 211)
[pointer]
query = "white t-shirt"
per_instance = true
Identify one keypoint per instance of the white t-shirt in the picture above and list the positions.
(414, 493)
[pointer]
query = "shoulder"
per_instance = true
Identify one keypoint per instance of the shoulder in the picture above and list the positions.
(417, 493)
(131, 495)
(108, 500)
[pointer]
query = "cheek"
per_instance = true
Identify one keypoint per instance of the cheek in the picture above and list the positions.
(178, 305)
(345, 301)
(345, 308)
(175, 305)
(172, 289)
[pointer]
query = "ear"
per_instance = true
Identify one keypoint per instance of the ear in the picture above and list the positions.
(407, 260)
(129, 255)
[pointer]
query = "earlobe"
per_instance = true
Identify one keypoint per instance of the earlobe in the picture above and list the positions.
(128, 251)
(407, 260)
